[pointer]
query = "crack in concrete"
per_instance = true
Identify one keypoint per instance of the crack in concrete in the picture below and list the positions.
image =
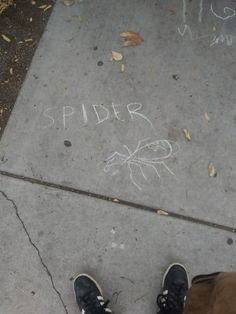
(123, 202)
(36, 248)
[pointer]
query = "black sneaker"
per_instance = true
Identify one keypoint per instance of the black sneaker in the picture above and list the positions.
(89, 295)
(174, 288)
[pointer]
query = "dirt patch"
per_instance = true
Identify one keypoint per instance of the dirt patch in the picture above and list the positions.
(21, 26)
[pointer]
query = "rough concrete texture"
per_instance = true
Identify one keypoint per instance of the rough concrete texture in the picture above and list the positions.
(65, 75)
(25, 285)
(127, 250)
(76, 109)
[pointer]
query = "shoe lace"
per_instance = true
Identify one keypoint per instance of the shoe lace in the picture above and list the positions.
(172, 302)
(92, 304)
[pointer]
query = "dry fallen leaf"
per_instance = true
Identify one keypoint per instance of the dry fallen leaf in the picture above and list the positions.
(186, 134)
(206, 116)
(211, 170)
(47, 8)
(4, 4)
(68, 2)
(11, 71)
(116, 200)
(131, 39)
(122, 68)
(162, 212)
(28, 40)
(6, 38)
(42, 6)
(116, 56)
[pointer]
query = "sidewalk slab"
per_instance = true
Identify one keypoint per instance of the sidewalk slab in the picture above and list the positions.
(79, 120)
(125, 249)
(24, 285)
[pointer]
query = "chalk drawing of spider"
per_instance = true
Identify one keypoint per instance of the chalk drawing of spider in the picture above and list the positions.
(142, 157)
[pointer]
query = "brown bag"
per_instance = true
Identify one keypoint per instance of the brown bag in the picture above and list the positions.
(212, 294)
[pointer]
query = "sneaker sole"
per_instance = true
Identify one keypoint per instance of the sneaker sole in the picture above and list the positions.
(92, 279)
(166, 272)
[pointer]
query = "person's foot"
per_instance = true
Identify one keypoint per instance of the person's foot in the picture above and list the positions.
(174, 288)
(89, 295)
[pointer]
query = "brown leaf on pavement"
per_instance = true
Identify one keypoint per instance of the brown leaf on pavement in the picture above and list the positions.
(7, 39)
(4, 4)
(42, 6)
(116, 56)
(162, 212)
(206, 116)
(68, 2)
(212, 170)
(47, 8)
(186, 134)
(131, 39)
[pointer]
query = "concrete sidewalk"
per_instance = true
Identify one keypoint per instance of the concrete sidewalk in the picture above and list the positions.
(83, 126)
(125, 249)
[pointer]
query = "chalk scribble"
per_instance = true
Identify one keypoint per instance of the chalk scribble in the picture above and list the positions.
(148, 153)
(228, 13)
